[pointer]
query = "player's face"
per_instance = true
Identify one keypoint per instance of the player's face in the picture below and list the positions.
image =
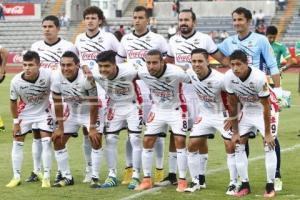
(186, 23)
(107, 69)
(240, 23)
(68, 68)
(271, 38)
(140, 21)
(239, 68)
(31, 69)
(154, 64)
(199, 64)
(50, 31)
(92, 22)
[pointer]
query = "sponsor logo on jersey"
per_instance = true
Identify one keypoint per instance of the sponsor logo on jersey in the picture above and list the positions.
(50, 65)
(206, 98)
(89, 55)
(183, 58)
(137, 53)
(250, 98)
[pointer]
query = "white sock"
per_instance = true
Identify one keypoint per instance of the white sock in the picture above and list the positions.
(203, 163)
(36, 155)
(128, 153)
(182, 162)
(159, 150)
(241, 161)
(87, 148)
(62, 159)
(136, 143)
(194, 164)
(232, 168)
(147, 156)
(270, 163)
(46, 156)
(111, 153)
(17, 158)
(173, 162)
(96, 162)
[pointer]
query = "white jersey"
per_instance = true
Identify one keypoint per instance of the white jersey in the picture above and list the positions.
(166, 90)
(89, 47)
(180, 48)
(34, 96)
(74, 93)
(209, 91)
(50, 54)
(122, 89)
(249, 91)
(134, 47)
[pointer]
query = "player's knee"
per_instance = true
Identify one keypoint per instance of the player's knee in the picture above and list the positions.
(149, 141)
(135, 140)
(180, 142)
(111, 140)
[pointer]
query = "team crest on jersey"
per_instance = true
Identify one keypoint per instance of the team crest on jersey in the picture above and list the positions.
(209, 84)
(100, 39)
(42, 82)
(59, 51)
(148, 39)
(196, 41)
(122, 79)
(251, 85)
(168, 80)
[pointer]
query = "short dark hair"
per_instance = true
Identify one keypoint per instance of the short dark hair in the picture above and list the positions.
(200, 51)
(107, 56)
(94, 10)
(239, 55)
(31, 55)
(141, 8)
(271, 30)
(155, 52)
(71, 54)
(52, 18)
(241, 10)
(189, 11)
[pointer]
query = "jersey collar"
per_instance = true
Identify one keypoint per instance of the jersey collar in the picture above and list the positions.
(189, 36)
(164, 70)
(91, 37)
(244, 79)
(30, 81)
(58, 40)
(241, 39)
(139, 36)
(115, 75)
(205, 77)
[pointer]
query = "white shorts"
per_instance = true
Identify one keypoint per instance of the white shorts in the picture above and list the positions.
(128, 116)
(192, 102)
(206, 125)
(41, 123)
(250, 122)
(159, 120)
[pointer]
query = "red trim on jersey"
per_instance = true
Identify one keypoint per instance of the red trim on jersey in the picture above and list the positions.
(274, 101)
(224, 100)
(21, 106)
(137, 91)
(182, 99)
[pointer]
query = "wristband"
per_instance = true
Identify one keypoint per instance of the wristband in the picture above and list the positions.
(16, 121)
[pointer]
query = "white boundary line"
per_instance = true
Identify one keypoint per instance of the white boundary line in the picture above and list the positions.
(212, 171)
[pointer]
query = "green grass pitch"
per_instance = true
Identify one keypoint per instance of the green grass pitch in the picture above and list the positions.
(216, 180)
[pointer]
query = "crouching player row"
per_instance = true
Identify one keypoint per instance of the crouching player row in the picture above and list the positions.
(29, 94)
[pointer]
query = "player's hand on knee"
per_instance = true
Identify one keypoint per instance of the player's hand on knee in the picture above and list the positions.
(58, 134)
(94, 136)
(235, 138)
(269, 140)
(16, 130)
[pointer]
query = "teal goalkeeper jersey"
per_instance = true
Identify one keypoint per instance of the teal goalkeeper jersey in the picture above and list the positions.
(280, 50)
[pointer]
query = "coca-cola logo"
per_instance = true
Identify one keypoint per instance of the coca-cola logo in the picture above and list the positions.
(16, 10)
(17, 58)
(137, 53)
(183, 58)
(50, 65)
(89, 55)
